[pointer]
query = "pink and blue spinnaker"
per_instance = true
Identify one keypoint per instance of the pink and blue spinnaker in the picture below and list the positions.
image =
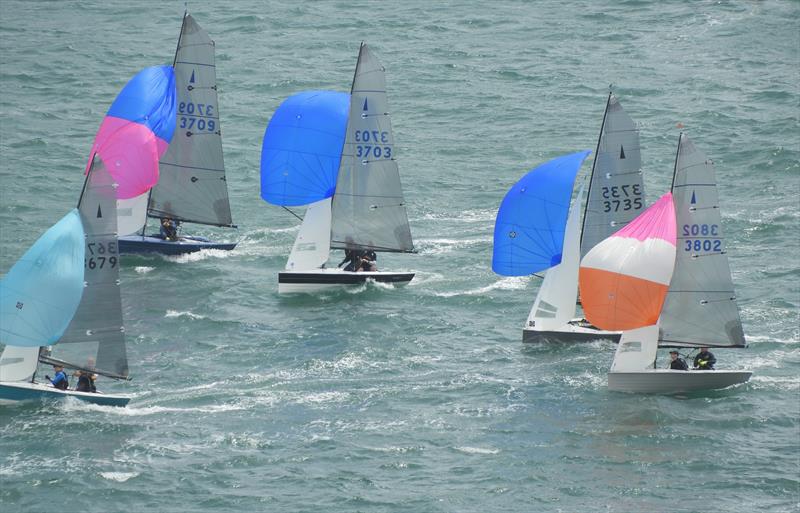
(137, 130)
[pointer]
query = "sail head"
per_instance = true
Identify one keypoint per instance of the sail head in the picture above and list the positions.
(368, 209)
(701, 307)
(193, 186)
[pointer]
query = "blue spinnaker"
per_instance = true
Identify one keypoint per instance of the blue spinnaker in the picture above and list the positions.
(530, 225)
(42, 291)
(149, 98)
(302, 148)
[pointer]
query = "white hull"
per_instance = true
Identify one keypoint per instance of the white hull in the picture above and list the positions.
(17, 392)
(665, 381)
(577, 330)
(321, 280)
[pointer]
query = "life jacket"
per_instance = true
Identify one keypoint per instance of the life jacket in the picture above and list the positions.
(85, 384)
(63, 384)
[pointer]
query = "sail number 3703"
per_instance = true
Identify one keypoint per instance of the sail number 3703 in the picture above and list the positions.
(100, 255)
(378, 146)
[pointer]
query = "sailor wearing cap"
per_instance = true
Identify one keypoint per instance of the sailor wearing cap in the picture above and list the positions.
(676, 362)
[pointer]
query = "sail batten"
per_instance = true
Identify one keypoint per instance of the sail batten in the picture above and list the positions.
(368, 174)
(192, 186)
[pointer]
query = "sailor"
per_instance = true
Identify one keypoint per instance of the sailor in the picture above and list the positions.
(369, 261)
(676, 362)
(353, 259)
(86, 382)
(704, 360)
(169, 229)
(60, 380)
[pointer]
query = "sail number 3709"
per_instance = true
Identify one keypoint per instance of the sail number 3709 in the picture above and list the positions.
(194, 115)
(378, 147)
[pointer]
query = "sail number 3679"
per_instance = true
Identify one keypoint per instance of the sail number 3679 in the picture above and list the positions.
(377, 149)
(101, 255)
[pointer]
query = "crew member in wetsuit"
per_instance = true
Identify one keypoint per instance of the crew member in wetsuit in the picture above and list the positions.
(169, 229)
(677, 363)
(353, 259)
(368, 261)
(85, 382)
(704, 360)
(60, 380)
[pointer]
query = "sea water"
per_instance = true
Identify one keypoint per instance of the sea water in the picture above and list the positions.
(420, 398)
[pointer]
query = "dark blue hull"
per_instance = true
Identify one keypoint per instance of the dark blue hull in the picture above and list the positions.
(138, 244)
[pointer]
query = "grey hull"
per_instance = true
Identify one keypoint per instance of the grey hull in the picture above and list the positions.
(662, 381)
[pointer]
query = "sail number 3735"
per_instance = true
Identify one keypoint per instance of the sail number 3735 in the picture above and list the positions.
(100, 255)
(622, 197)
(372, 144)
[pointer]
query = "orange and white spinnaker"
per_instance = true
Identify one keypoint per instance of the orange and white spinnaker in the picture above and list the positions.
(624, 279)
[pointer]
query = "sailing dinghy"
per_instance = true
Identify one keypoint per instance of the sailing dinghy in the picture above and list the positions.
(616, 196)
(336, 154)
(192, 186)
(64, 292)
(664, 280)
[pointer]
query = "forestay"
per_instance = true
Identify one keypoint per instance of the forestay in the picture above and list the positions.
(368, 208)
(302, 148)
(701, 308)
(616, 190)
(192, 185)
(530, 224)
(95, 337)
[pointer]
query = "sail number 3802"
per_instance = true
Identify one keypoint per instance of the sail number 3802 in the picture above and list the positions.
(706, 238)
(101, 255)
(378, 147)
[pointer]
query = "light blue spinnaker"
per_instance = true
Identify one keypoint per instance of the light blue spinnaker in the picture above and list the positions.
(302, 148)
(530, 225)
(42, 291)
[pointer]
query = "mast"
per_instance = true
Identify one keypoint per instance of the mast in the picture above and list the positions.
(594, 163)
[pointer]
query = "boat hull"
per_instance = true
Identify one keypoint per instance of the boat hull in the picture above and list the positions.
(321, 280)
(141, 244)
(664, 381)
(576, 331)
(16, 392)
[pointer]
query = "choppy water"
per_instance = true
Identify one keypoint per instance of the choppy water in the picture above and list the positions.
(421, 398)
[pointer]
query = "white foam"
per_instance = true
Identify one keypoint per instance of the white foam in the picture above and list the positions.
(143, 269)
(190, 315)
(511, 283)
(477, 450)
(119, 477)
(198, 256)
